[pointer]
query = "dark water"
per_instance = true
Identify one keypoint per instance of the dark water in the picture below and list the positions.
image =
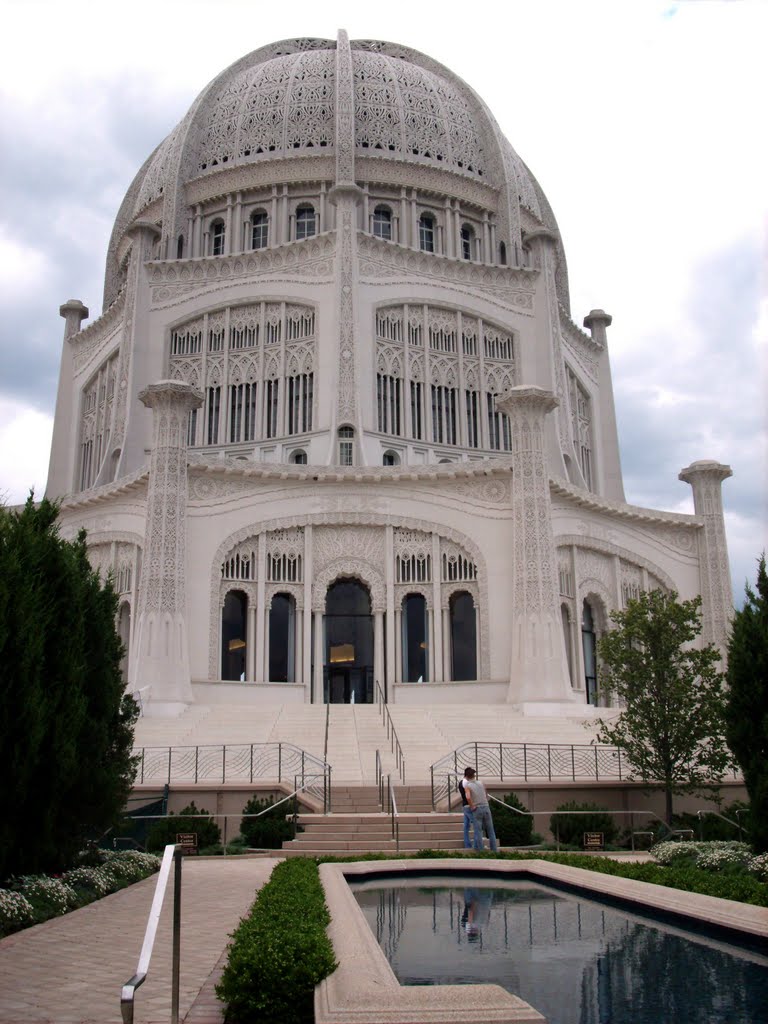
(574, 960)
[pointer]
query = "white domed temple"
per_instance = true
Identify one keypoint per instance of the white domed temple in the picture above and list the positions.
(336, 429)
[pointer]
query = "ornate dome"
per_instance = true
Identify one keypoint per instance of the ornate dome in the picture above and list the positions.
(284, 102)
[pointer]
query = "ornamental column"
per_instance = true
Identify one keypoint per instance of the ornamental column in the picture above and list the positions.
(705, 478)
(162, 655)
(539, 669)
(64, 447)
(346, 195)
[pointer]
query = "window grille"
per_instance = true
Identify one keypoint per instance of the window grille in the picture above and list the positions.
(469, 343)
(282, 568)
(415, 332)
(271, 391)
(388, 403)
(346, 446)
(467, 238)
(213, 404)
(187, 341)
(413, 568)
(443, 414)
(300, 398)
(499, 427)
(417, 415)
(389, 326)
(473, 419)
(242, 413)
(192, 428)
(566, 582)
(442, 339)
(300, 325)
(458, 568)
(217, 238)
(497, 345)
(240, 566)
(244, 335)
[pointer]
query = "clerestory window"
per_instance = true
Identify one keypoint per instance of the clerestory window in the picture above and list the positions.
(306, 224)
(382, 222)
(427, 232)
(259, 230)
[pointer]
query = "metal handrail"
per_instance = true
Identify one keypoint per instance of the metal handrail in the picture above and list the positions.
(386, 718)
(394, 814)
(525, 761)
(736, 824)
(379, 778)
(327, 724)
(171, 855)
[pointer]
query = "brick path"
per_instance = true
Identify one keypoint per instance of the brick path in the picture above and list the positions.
(70, 970)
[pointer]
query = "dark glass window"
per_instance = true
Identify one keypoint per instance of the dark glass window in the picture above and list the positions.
(589, 645)
(281, 639)
(217, 238)
(305, 222)
(415, 661)
(233, 635)
(259, 230)
(463, 636)
(467, 237)
(382, 222)
(427, 233)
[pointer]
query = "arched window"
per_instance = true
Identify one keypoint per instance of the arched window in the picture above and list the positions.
(503, 253)
(259, 230)
(305, 222)
(346, 446)
(217, 238)
(390, 458)
(589, 647)
(463, 636)
(414, 620)
(566, 621)
(124, 632)
(234, 619)
(467, 241)
(427, 232)
(382, 222)
(299, 457)
(282, 637)
(180, 247)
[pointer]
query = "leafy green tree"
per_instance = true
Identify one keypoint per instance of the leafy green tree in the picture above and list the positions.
(746, 711)
(66, 724)
(672, 726)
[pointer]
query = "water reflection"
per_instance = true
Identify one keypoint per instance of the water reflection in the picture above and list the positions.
(576, 961)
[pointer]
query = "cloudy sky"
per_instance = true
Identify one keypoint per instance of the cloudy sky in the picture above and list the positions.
(643, 121)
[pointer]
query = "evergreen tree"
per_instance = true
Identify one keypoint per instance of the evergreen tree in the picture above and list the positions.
(746, 712)
(66, 725)
(672, 726)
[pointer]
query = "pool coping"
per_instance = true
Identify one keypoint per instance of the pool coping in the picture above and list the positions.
(364, 989)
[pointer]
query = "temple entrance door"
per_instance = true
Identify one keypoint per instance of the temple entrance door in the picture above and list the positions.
(348, 668)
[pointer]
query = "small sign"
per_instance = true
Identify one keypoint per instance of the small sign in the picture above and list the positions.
(594, 840)
(187, 841)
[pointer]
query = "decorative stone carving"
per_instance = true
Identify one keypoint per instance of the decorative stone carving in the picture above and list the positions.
(162, 658)
(539, 666)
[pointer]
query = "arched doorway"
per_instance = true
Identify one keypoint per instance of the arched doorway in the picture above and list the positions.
(348, 669)
(233, 635)
(282, 639)
(414, 622)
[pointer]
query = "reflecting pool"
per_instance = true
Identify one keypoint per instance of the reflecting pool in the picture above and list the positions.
(575, 960)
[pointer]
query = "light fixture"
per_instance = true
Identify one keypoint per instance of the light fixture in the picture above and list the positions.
(236, 645)
(342, 654)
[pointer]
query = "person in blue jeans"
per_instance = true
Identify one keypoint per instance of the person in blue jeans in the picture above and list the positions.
(469, 818)
(478, 801)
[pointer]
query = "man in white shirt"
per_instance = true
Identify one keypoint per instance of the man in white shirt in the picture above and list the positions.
(478, 802)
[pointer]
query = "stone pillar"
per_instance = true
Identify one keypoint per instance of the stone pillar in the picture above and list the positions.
(378, 646)
(64, 443)
(319, 657)
(705, 478)
(162, 655)
(539, 670)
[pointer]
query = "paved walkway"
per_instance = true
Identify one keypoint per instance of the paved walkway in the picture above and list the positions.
(70, 970)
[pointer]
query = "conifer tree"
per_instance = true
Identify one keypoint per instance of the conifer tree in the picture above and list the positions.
(747, 704)
(66, 724)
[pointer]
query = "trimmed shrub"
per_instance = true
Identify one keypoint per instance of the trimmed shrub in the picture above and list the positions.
(733, 857)
(164, 832)
(512, 829)
(281, 950)
(711, 828)
(271, 830)
(15, 911)
(571, 827)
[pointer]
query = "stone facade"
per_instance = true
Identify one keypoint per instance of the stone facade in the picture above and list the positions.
(336, 387)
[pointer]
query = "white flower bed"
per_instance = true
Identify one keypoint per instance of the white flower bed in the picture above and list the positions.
(15, 910)
(98, 880)
(715, 856)
(60, 896)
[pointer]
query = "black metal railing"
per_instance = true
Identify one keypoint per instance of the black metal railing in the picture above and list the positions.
(236, 762)
(394, 742)
(524, 762)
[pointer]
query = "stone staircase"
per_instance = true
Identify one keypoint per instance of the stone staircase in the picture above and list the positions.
(357, 824)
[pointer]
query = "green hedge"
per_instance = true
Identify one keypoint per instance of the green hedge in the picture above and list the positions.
(280, 951)
(512, 829)
(164, 832)
(571, 827)
(272, 829)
